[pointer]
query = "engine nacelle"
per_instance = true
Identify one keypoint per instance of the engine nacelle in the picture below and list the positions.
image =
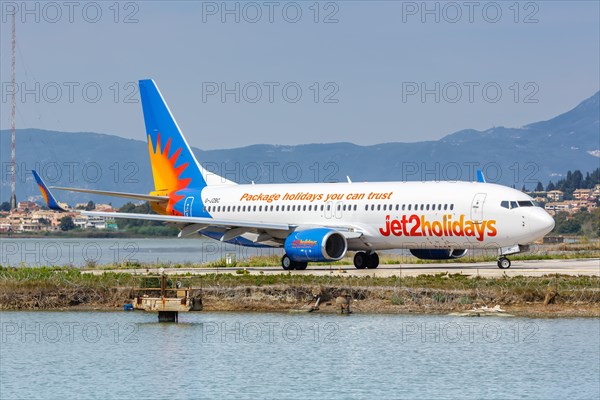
(318, 244)
(438, 254)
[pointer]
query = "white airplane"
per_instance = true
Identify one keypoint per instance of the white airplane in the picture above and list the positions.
(323, 221)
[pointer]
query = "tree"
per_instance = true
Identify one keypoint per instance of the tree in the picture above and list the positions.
(539, 187)
(5, 206)
(44, 221)
(143, 227)
(143, 208)
(577, 179)
(90, 206)
(66, 223)
(550, 186)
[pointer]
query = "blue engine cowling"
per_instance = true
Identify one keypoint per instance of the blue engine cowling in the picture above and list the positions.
(319, 244)
(438, 254)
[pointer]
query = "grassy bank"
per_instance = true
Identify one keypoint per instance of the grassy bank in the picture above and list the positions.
(59, 288)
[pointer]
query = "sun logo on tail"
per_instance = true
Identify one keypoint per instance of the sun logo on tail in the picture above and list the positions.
(167, 176)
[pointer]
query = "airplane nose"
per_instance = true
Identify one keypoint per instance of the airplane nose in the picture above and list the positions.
(543, 222)
(548, 222)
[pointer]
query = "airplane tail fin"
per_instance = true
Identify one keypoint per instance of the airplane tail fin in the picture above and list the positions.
(174, 166)
(480, 176)
(46, 194)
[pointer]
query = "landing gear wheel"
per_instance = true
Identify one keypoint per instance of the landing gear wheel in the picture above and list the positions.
(301, 265)
(503, 263)
(372, 261)
(360, 260)
(287, 263)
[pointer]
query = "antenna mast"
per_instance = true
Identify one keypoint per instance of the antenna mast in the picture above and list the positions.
(13, 196)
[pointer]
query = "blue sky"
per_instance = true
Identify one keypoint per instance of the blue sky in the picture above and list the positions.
(361, 77)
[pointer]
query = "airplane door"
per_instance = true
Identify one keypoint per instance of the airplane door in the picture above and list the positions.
(477, 207)
(187, 206)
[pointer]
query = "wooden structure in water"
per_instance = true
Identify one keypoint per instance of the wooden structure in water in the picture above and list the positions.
(168, 302)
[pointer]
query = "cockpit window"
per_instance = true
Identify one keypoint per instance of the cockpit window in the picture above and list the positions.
(526, 203)
(515, 204)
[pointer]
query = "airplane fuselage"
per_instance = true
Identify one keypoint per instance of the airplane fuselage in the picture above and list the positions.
(388, 214)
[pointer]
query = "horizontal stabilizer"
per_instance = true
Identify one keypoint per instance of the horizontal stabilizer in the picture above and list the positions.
(135, 196)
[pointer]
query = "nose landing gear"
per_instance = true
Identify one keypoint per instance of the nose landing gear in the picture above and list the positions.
(503, 263)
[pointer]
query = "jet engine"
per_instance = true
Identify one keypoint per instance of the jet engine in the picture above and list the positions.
(318, 244)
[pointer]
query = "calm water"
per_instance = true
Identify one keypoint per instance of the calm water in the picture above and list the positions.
(247, 356)
(79, 252)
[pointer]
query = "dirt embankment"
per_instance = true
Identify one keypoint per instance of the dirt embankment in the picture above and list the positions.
(526, 301)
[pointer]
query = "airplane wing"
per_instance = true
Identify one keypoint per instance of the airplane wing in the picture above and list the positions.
(135, 196)
(230, 229)
(224, 223)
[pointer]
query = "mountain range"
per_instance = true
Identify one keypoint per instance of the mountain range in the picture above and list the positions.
(540, 151)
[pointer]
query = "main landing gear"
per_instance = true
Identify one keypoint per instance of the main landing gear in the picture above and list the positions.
(364, 260)
(289, 265)
(503, 263)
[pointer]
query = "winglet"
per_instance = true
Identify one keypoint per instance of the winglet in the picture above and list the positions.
(480, 177)
(46, 194)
